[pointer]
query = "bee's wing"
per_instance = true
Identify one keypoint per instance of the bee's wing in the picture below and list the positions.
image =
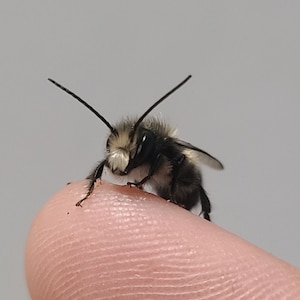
(203, 156)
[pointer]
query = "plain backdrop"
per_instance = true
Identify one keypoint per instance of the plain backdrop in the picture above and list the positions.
(242, 105)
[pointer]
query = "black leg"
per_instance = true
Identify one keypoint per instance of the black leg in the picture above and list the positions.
(205, 203)
(153, 168)
(97, 173)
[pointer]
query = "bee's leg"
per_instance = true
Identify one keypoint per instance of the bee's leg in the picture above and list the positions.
(153, 168)
(205, 203)
(97, 173)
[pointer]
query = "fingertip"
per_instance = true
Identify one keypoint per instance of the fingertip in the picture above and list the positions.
(124, 243)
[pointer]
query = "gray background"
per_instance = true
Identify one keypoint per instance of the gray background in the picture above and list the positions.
(242, 105)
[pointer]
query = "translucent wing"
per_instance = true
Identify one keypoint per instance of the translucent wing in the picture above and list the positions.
(201, 155)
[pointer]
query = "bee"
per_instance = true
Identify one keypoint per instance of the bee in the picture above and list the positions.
(147, 149)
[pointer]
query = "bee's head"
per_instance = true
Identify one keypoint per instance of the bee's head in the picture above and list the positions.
(128, 148)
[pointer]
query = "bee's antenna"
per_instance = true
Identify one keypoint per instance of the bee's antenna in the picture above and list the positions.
(84, 103)
(138, 122)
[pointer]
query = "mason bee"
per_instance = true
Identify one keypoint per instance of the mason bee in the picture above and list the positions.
(147, 149)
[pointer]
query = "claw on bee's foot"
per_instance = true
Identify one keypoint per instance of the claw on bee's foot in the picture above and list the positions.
(83, 199)
(135, 184)
(79, 204)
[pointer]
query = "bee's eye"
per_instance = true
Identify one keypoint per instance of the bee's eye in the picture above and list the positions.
(145, 146)
(141, 145)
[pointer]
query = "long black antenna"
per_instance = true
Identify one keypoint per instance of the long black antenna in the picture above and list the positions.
(138, 122)
(84, 103)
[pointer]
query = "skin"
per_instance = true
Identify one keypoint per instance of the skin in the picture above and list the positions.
(127, 244)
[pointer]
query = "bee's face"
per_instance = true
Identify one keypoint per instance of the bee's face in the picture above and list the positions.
(119, 150)
(126, 152)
